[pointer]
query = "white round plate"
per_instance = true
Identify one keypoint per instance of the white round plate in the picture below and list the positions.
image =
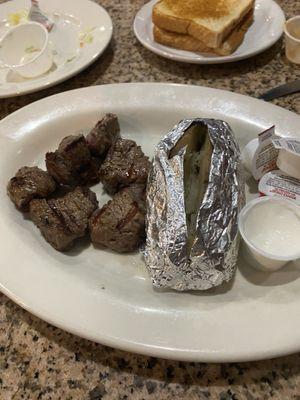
(81, 33)
(264, 32)
(108, 297)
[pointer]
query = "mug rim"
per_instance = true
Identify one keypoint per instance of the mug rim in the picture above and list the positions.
(286, 28)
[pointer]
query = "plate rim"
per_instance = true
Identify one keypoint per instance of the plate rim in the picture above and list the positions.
(50, 83)
(207, 60)
(125, 344)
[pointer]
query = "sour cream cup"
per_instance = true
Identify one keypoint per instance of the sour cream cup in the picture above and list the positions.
(259, 257)
(25, 49)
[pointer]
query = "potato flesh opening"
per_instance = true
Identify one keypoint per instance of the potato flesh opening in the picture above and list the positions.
(196, 173)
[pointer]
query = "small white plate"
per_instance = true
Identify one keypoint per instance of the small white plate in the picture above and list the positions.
(264, 32)
(108, 297)
(81, 33)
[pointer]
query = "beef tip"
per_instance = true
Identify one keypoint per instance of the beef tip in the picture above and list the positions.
(125, 164)
(71, 157)
(61, 168)
(102, 136)
(90, 174)
(138, 193)
(65, 219)
(29, 183)
(120, 224)
(76, 150)
(51, 225)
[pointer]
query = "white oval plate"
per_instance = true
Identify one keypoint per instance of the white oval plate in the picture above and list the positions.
(82, 32)
(107, 297)
(264, 32)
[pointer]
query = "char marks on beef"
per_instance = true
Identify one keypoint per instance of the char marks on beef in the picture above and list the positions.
(120, 224)
(69, 160)
(29, 183)
(124, 165)
(63, 220)
(102, 136)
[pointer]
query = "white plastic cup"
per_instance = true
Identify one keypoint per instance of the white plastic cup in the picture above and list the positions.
(292, 39)
(259, 258)
(248, 154)
(25, 49)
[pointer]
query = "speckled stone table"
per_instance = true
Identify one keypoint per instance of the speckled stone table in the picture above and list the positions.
(38, 361)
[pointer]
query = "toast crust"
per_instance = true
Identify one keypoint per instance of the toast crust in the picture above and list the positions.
(179, 41)
(211, 38)
(169, 22)
(236, 37)
(189, 43)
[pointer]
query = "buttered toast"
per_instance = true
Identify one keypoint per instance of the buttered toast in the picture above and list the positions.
(212, 30)
(190, 43)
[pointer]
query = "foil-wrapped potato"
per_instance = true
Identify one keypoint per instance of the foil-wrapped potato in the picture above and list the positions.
(194, 194)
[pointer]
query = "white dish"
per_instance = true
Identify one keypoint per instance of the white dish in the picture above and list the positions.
(81, 33)
(108, 297)
(264, 32)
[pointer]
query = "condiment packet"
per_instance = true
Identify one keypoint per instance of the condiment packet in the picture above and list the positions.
(35, 14)
(265, 156)
(277, 183)
(289, 144)
(289, 156)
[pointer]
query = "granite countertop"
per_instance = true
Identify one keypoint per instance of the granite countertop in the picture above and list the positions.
(38, 361)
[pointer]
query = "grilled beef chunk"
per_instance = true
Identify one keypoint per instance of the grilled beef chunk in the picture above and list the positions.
(138, 193)
(60, 168)
(102, 136)
(67, 162)
(120, 224)
(90, 174)
(125, 164)
(29, 183)
(64, 219)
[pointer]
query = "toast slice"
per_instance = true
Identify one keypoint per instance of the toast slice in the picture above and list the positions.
(211, 31)
(189, 43)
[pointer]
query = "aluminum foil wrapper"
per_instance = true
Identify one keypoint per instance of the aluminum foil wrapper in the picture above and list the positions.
(214, 252)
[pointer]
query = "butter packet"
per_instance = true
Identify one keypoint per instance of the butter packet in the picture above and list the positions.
(266, 154)
(289, 156)
(277, 183)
